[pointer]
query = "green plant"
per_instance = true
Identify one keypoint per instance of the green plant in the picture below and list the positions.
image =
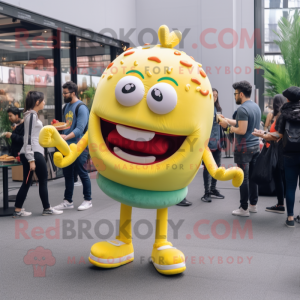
(263, 118)
(89, 94)
(280, 77)
(5, 125)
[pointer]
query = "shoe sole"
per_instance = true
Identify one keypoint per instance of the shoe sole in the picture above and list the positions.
(215, 197)
(253, 212)
(241, 215)
(289, 226)
(63, 208)
(93, 261)
(205, 200)
(80, 209)
(171, 272)
(275, 211)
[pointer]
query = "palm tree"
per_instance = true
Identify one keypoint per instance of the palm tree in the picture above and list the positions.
(280, 77)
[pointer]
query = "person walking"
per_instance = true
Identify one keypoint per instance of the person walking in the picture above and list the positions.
(77, 116)
(32, 157)
(215, 148)
(278, 173)
(246, 145)
(288, 127)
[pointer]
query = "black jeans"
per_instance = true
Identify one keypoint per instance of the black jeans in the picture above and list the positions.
(41, 173)
(249, 189)
(292, 173)
(208, 180)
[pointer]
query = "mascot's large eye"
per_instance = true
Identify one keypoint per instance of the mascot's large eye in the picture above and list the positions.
(129, 91)
(162, 98)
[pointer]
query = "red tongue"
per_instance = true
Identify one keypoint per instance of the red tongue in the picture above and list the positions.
(157, 146)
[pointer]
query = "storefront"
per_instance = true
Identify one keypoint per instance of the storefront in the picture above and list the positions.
(40, 53)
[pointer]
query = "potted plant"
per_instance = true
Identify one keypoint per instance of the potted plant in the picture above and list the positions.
(5, 126)
(280, 77)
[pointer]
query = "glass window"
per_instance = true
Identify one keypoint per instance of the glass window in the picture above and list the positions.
(277, 58)
(92, 60)
(272, 16)
(65, 58)
(26, 63)
(282, 3)
(272, 47)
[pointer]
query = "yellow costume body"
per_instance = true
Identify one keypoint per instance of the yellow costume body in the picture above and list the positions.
(149, 128)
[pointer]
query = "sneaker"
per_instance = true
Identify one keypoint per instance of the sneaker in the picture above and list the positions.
(64, 205)
(85, 205)
(241, 212)
(216, 194)
(252, 208)
(184, 202)
(21, 213)
(78, 183)
(289, 223)
(51, 211)
(206, 197)
(276, 209)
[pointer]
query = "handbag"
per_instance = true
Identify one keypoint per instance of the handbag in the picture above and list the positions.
(265, 164)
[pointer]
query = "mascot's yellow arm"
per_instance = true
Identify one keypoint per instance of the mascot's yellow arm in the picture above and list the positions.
(234, 173)
(50, 137)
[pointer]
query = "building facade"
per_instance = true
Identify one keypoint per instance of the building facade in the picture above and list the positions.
(218, 34)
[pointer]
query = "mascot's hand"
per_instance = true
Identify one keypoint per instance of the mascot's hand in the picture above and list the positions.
(63, 162)
(234, 173)
(50, 137)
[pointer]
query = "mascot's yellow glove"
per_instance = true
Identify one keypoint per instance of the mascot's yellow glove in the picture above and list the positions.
(50, 137)
(234, 173)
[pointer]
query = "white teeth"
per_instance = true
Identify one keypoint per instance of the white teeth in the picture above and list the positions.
(133, 158)
(135, 134)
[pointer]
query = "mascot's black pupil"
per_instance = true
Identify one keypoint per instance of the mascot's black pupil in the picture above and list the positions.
(128, 88)
(157, 95)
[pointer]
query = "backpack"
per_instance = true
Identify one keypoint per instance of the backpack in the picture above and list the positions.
(76, 114)
(291, 137)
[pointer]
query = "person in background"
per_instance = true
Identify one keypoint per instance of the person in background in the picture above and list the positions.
(14, 116)
(12, 76)
(290, 114)
(73, 135)
(246, 145)
(214, 145)
(269, 120)
(32, 157)
(278, 174)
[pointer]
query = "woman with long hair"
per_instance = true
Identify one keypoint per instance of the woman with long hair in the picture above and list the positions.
(12, 76)
(215, 147)
(32, 157)
(278, 174)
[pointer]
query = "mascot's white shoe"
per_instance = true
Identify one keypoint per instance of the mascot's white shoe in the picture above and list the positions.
(111, 254)
(168, 260)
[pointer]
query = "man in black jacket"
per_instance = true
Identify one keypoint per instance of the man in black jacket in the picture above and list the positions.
(17, 135)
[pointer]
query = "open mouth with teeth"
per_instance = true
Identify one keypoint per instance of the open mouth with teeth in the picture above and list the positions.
(139, 146)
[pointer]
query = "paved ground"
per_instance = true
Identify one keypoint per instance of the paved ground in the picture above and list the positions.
(264, 264)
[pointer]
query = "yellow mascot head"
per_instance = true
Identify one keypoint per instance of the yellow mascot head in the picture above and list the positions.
(150, 123)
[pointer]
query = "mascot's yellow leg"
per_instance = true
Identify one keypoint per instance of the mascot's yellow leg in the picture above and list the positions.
(235, 174)
(166, 259)
(118, 252)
